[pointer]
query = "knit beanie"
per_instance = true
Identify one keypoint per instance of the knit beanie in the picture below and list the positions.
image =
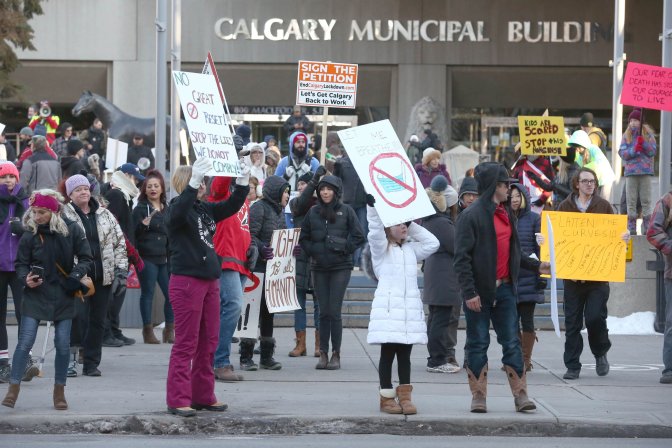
(9, 168)
(586, 120)
(636, 114)
(26, 131)
(430, 154)
(439, 183)
(307, 177)
(75, 181)
(74, 146)
(451, 196)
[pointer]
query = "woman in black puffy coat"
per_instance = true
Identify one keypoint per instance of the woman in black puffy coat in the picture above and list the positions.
(530, 285)
(330, 233)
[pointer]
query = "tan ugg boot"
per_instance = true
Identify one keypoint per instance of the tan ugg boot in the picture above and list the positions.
(300, 349)
(227, 375)
(519, 390)
(12, 395)
(148, 335)
(388, 402)
(479, 390)
(169, 333)
(527, 342)
(317, 344)
(59, 397)
(404, 394)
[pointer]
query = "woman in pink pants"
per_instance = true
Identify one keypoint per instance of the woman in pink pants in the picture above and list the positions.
(194, 287)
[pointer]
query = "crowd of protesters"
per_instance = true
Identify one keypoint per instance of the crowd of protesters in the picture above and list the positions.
(70, 238)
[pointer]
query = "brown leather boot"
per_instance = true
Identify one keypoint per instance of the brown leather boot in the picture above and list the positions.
(317, 344)
(388, 402)
(322, 363)
(404, 394)
(227, 375)
(519, 389)
(12, 395)
(59, 397)
(335, 361)
(479, 390)
(527, 342)
(148, 334)
(169, 333)
(300, 349)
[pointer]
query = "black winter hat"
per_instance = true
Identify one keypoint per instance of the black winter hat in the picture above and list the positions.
(587, 120)
(74, 146)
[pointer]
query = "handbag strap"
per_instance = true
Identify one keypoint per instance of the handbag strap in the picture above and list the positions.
(58, 266)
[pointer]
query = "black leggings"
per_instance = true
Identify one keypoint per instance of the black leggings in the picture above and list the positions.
(387, 354)
(9, 280)
(526, 316)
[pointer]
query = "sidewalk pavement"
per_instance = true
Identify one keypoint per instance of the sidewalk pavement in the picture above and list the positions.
(130, 396)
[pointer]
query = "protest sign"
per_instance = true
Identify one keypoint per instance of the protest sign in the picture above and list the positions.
(208, 126)
(280, 284)
(542, 136)
(249, 313)
(588, 246)
(386, 173)
(554, 279)
(116, 155)
(647, 86)
(326, 84)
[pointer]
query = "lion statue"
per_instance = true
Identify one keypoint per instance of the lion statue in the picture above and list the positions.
(427, 114)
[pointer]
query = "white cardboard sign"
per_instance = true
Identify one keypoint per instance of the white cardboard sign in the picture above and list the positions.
(208, 130)
(116, 155)
(280, 283)
(386, 173)
(249, 313)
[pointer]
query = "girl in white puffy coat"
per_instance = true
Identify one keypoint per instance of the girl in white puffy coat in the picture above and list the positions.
(397, 316)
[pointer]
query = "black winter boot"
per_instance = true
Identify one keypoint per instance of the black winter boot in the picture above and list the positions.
(246, 353)
(267, 350)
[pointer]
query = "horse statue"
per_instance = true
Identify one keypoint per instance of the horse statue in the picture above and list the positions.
(119, 124)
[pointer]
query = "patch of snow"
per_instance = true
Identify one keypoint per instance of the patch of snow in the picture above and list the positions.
(640, 323)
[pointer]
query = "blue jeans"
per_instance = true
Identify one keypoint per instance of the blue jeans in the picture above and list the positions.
(150, 275)
(667, 338)
(231, 285)
(504, 316)
(300, 314)
(27, 337)
(361, 217)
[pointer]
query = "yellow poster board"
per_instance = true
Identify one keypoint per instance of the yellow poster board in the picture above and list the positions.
(542, 136)
(588, 246)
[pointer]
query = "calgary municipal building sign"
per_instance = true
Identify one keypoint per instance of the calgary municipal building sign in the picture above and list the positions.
(276, 29)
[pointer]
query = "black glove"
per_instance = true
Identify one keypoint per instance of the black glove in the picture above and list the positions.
(297, 251)
(16, 227)
(370, 200)
(238, 143)
(72, 285)
(251, 256)
(319, 172)
(266, 253)
(539, 202)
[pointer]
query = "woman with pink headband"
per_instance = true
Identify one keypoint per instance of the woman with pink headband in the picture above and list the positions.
(46, 264)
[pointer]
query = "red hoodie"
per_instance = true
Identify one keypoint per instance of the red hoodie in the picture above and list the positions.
(232, 237)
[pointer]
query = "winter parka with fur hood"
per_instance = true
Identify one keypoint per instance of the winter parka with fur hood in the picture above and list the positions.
(397, 314)
(267, 215)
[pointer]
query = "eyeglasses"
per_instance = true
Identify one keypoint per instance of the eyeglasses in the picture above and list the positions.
(587, 181)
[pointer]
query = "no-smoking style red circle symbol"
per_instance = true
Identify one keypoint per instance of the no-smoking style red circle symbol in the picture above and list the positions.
(255, 282)
(192, 111)
(388, 184)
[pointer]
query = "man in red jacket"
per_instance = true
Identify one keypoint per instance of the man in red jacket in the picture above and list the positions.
(232, 243)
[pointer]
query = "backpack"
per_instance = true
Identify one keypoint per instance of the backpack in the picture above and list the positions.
(603, 139)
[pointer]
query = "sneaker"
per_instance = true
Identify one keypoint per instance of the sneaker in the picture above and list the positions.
(92, 372)
(444, 368)
(125, 340)
(31, 370)
(6, 370)
(72, 369)
(571, 374)
(666, 379)
(112, 342)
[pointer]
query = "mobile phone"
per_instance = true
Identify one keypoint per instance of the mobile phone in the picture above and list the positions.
(37, 270)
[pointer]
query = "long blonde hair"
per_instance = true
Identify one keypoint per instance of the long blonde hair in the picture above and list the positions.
(56, 223)
(181, 178)
(627, 135)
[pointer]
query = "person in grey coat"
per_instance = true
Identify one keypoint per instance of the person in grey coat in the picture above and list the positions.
(441, 289)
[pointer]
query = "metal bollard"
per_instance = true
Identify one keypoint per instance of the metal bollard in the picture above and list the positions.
(659, 266)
